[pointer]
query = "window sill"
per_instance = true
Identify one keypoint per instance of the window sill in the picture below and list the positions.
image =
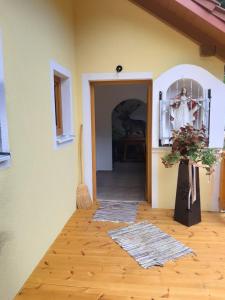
(161, 149)
(4, 157)
(64, 139)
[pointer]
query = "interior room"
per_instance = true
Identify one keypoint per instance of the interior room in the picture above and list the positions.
(120, 115)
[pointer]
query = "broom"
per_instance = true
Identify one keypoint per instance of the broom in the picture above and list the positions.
(83, 197)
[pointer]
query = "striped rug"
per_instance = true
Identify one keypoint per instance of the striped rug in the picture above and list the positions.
(116, 211)
(148, 245)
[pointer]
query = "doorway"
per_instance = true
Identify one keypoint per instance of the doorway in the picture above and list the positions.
(121, 114)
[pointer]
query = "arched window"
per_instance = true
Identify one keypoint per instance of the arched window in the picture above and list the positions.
(185, 102)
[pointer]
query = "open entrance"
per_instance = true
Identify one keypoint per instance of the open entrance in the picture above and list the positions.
(127, 179)
(121, 140)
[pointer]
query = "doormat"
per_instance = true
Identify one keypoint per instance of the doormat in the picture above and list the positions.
(116, 211)
(148, 245)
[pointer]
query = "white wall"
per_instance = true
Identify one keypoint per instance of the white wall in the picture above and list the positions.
(209, 189)
(106, 99)
(207, 81)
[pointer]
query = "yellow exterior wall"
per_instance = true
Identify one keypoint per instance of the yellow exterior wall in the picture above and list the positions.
(37, 192)
(109, 33)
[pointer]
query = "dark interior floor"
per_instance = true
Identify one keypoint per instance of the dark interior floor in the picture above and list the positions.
(126, 182)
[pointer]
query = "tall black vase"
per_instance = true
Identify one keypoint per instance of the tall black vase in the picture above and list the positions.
(186, 214)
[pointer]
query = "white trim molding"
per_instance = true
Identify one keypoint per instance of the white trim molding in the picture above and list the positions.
(4, 158)
(207, 81)
(67, 110)
(217, 120)
(86, 79)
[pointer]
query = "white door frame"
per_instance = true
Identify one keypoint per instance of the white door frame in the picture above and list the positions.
(86, 97)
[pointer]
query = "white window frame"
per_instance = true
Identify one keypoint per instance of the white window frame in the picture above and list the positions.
(4, 158)
(66, 96)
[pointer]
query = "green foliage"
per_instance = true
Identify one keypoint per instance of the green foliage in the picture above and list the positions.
(171, 159)
(190, 144)
(208, 157)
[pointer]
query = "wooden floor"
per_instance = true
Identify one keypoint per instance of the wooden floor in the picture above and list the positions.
(84, 263)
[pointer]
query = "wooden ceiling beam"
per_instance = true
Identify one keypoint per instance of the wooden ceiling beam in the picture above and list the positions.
(208, 50)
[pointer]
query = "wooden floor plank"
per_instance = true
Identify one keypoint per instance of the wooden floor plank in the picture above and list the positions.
(84, 263)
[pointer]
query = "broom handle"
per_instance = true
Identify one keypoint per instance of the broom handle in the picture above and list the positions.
(80, 154)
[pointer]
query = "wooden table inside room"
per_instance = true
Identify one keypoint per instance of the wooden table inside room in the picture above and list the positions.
(222, 183)
(84, 263)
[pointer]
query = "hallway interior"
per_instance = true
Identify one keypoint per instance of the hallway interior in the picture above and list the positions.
(126, 182)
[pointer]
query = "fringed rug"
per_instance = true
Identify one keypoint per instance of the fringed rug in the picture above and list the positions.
(116, 211)
(148, 245)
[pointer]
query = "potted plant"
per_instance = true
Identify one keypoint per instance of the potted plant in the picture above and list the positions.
(189, 149)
